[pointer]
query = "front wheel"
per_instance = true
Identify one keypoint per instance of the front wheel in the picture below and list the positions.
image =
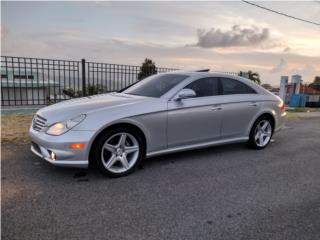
(261, 133)
(118, 152)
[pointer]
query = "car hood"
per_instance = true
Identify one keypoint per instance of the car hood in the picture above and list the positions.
(85, 105)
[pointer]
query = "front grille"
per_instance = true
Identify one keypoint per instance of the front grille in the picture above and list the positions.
(38, 123)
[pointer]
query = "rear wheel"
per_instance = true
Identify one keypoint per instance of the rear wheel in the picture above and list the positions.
(118, 152)
(261, 133)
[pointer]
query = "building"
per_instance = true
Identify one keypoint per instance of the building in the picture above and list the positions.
(22, 88)
(282, 91)
(297, 94)
(296, 80)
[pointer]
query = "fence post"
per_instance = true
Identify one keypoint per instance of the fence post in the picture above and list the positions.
(83, 69)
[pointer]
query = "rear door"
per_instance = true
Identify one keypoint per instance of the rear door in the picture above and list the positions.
(240, 105)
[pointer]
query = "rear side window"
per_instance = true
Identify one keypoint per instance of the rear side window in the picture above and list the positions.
(232, 86)
(205, 87)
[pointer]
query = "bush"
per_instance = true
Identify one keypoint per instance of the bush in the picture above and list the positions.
(90, 90)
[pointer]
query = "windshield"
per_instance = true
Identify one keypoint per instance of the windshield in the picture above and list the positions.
(156, 85)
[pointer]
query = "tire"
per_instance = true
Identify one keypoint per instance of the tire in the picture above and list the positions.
(119, 151)
(261, 133)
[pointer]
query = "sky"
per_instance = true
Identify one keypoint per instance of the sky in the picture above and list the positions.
(223, 36)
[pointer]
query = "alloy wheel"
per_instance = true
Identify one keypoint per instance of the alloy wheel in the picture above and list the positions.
(263, 133)
(120, 152)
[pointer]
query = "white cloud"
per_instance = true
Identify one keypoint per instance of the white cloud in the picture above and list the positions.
(237, 36)
(280, 67)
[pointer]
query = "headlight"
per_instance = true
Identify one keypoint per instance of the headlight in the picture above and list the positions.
(62, 127)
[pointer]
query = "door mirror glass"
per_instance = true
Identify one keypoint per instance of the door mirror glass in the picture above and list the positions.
(185, 93)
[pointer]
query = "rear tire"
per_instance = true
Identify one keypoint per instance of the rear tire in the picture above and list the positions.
(261, 133)
(119, 151)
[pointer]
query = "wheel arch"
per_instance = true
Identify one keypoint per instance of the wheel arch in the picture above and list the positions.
(267, 114)
(106, 128)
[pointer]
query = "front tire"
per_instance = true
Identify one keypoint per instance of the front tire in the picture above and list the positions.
(119, 151)
(261, 133)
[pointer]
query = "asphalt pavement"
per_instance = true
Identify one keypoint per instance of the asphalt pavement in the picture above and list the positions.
(228, 192)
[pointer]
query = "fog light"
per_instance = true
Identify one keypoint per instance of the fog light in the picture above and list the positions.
(77, 145)
(53, 156)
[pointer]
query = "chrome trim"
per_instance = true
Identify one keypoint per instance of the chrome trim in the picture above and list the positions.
(196, 146)
(38, 123)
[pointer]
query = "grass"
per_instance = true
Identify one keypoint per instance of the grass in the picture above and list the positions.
(303, 109)
(293, 116)
(14, 128)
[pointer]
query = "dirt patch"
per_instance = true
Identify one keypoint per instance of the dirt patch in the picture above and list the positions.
(15, 128)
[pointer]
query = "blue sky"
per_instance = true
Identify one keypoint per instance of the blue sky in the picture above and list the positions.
(226, 36)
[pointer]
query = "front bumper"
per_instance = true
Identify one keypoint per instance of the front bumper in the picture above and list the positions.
(43, 145)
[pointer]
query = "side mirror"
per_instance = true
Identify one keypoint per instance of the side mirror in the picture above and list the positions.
(185, 93)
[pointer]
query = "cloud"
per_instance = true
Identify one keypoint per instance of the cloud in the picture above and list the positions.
(236, 37)
(280, 66)
(65, 44)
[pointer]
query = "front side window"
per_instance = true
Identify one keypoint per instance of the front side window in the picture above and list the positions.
(232, 86)
(156, 85)
(205, 87)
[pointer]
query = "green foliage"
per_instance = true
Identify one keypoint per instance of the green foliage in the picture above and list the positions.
(253, 76)
(94, 89)
(148, 68)
(316, 80)
(316, 83)
(69, 92)
(90, 90)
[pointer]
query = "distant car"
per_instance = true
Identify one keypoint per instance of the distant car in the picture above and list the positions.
(163, 113)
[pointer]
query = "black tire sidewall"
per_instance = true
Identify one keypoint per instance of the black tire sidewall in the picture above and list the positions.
(104, 137)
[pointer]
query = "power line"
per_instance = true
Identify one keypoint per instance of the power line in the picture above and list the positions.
(283, 14)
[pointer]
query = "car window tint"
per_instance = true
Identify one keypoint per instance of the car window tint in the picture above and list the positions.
(156, 85)
(205, 87)
(232, 86)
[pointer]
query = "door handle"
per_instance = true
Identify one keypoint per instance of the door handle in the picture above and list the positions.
(216, 108)
(254, 104)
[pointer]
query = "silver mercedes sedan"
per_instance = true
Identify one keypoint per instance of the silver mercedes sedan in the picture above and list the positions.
(161, 114)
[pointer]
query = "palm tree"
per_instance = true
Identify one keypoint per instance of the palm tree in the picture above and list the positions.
(253, 76)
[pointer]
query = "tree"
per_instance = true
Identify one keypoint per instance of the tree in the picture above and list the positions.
(148, 68)
(316, 83)
(253, 76)
(316, 80)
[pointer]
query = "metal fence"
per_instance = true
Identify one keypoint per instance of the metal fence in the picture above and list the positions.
(38, 81)
(113, 77)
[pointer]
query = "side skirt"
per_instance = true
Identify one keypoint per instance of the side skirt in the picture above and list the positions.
(197, 146)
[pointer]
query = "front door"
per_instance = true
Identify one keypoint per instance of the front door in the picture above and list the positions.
(198, 119)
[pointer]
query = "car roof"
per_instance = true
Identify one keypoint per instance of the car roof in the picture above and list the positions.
(204, 74)
(195, 75)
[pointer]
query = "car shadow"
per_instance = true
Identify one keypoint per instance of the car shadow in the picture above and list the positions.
(93, 174)
(194, 155)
